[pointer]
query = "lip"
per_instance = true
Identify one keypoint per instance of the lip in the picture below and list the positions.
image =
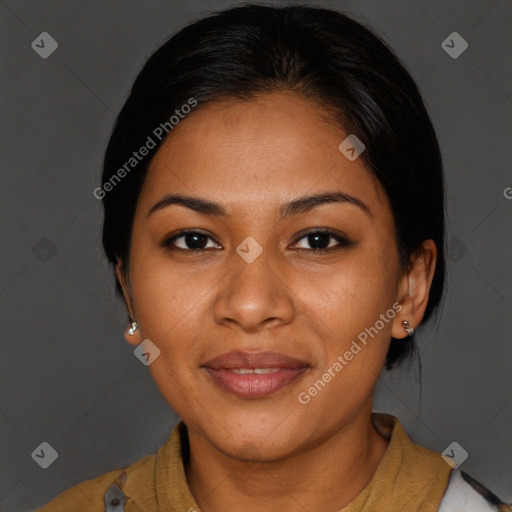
(284, 371)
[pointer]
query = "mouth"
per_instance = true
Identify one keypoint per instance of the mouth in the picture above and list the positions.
(254, 374)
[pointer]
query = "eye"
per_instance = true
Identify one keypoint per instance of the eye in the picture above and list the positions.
(319, 240)
(192, 240)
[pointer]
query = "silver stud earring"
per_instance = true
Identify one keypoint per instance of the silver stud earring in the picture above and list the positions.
(132, 328)
(407, 327)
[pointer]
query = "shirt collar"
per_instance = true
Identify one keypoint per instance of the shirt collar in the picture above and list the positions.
(409, 477)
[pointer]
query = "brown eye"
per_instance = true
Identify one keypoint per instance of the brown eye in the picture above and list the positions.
(189, 241)
(320, 240)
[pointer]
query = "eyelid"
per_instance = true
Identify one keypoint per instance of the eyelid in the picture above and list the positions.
(342, 239)
(320, 229)
(167, 242)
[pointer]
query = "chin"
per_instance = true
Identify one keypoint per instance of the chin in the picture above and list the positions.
(255, 436)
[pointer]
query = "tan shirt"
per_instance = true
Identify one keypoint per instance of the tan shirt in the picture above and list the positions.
(409, 478)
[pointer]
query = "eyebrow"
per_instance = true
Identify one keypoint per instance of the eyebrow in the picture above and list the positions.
(300, 205)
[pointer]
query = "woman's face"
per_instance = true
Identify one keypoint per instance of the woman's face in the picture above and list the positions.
(276, 291)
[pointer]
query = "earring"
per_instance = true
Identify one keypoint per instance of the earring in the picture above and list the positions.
(407, 327)
(132, 328)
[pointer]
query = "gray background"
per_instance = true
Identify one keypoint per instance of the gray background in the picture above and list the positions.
(67, 375)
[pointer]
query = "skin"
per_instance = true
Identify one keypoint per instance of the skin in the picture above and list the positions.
(251, 157)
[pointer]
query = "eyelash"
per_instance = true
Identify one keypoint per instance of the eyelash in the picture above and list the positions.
(343, 241)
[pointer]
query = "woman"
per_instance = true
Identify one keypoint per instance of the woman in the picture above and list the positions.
(274, 211)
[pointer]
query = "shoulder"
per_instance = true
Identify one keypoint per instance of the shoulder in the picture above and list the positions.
(465, 494)
(92, 494)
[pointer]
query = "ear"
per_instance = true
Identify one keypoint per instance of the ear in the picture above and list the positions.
(414, 288)
(127, 296)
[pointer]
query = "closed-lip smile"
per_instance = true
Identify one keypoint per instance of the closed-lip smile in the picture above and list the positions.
(254, 374)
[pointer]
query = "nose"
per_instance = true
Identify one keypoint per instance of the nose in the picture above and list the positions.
(254, 295)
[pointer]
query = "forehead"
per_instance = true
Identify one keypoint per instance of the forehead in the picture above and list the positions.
(275, 147)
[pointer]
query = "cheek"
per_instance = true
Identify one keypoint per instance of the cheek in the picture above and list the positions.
(354, 294)
(168, 309)
(354, 310)
(172, 304)
(166, 295)
(355, 342)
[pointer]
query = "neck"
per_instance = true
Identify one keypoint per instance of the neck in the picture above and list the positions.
(333, 473)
